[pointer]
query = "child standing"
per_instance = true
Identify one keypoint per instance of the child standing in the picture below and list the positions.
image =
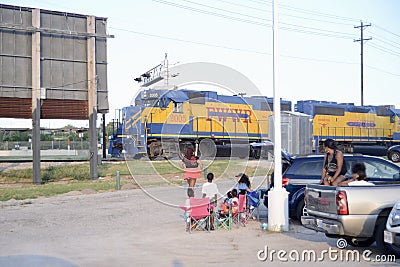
(187, 209)
(210, 190)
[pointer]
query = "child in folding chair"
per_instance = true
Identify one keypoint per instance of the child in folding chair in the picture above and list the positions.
(234, 201)
(224, 207)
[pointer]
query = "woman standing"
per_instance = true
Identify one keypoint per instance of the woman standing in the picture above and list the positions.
(334, 167)
(192, 166)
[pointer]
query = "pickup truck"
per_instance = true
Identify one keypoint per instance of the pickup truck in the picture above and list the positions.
(356, 213)
(300, 171)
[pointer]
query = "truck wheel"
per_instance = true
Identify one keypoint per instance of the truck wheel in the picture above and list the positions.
(394, 156)
(358, 243)
(301, 210)
(386, 248)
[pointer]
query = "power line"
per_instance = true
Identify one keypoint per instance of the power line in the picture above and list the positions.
(315, 33)
(240, 49)
(224, 10)
(316, 29)
(390, 44)
(383, 29)
(316, 13)
(211, 13)
(391, 73)
(284, 14)
(306, 11)
(385, 40)
(241, 5)
(320, 60)
(388, 51)
(191, 42)
(313, 19)
(336, 35)
(260, 2)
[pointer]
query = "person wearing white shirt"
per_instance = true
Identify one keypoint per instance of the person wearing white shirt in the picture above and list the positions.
(210, 189)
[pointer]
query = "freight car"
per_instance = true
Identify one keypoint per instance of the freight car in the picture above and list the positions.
(162, 123)
(357, 129)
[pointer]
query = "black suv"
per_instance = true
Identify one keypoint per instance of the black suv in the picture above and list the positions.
(304, 170)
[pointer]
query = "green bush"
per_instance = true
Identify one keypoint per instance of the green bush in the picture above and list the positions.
(47, 175)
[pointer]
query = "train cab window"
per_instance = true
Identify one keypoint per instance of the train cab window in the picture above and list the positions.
(323, 110)
(196, 98)
(151, 103)
(266, 106)
(178, 107)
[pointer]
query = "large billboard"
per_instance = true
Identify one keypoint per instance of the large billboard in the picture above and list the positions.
(64, 51)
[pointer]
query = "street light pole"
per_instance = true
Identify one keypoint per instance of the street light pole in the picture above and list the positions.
(278, 209)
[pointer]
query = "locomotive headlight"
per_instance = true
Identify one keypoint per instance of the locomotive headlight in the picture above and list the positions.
(394, 216)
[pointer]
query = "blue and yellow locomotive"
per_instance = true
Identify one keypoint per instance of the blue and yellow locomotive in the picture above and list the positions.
(163, 122)
(357, 129)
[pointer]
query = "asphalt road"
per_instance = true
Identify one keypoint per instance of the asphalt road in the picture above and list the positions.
(146, 228)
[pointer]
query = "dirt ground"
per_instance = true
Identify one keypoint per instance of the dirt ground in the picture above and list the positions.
(139, 228)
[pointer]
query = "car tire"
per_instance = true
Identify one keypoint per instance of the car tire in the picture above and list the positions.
(301, 209)
(394, 156)
(386, 248)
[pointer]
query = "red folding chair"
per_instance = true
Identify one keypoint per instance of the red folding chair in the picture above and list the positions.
(200, 217)
(241, 216)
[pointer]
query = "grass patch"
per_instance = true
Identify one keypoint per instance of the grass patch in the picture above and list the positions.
(76, 177)
(51, 189)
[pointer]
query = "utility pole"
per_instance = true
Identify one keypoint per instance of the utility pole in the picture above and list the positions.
(361, 40)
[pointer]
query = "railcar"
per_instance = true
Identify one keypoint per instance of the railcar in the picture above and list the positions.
(357, 129)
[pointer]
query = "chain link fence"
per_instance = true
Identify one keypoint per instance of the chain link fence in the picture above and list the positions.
(46, 145)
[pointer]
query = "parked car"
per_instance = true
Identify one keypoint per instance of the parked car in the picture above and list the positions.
(308, 169)
(393, 153)
(392, 232)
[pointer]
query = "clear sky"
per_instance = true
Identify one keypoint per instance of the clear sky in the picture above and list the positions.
(318, 58)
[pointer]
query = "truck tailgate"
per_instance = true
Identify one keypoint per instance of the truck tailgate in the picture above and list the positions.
(321, 198)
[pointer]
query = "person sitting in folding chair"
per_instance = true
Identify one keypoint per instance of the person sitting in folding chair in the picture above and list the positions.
(240, 216)
(225, 206)
(234, 202)
(244, 184)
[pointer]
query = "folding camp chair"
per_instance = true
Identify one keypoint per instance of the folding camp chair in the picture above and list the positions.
(200, 217)
(241, 216)
(253, 204)
(223, 219)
